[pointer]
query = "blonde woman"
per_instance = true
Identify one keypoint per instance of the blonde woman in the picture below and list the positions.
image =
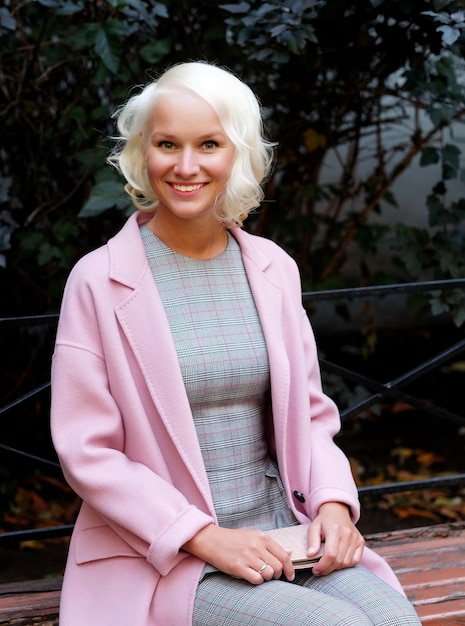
(187, 408)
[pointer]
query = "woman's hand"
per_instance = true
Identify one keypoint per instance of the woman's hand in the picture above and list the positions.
(242, 553)
(343, 542)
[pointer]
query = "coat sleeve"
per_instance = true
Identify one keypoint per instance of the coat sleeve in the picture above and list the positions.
(323, 470)
(90, 435)
(331, 478)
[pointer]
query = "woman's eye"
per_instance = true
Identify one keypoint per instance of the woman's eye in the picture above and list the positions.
(168, 145)
(210, 145)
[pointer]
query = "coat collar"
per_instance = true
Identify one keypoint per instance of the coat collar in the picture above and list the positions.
(253, 252)
(128, 263)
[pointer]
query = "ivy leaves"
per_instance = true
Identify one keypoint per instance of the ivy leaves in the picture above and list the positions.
(105, 195)
(451, 25)
(277, 30)
(355, 94)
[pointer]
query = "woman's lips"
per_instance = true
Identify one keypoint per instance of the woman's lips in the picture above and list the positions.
(186, 188)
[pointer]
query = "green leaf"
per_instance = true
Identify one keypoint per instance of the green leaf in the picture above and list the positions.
(438, 17)
(244, 36)
(155, 51)
(48, 252)
(7, 21)
(445, 67)
(451, 153)
(63, 7)
(450, 161)
(160, 9)
(240, 7)
(105, 195)
(277, 30)
(446, 261)
(441, 114)
(83, 36)
(301, 6)
(440, 188)
(458, 316)
(429, 156)
(108, 49)
(65, 230)
(449, 34)
(250, 20)
(7, 228)
(264, 9)
(31, 240)
(390, 199)
(438, 307)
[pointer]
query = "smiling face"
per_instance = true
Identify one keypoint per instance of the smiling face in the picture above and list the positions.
(188, 155)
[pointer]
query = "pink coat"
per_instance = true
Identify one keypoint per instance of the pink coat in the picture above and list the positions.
(124, 433)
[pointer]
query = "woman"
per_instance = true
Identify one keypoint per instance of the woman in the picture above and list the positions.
(187, 408)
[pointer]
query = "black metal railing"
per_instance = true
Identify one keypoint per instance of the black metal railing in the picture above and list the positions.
(375, 389)
(393, 388)
(21, 455)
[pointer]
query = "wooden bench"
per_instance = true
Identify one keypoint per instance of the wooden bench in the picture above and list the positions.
(30, 602)
(429, 561)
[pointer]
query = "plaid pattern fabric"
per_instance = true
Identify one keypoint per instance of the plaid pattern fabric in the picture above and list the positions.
(350, 597)
(224, 363)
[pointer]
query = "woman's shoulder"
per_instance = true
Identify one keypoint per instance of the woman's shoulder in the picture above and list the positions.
(262, 245)
(92, 264)
(123, 250)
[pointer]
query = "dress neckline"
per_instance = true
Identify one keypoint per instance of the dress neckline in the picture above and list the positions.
(151, 235)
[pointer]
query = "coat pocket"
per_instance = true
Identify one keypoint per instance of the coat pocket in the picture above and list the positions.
(101, 542)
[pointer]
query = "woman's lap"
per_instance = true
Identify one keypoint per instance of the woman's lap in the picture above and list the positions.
(353, 597)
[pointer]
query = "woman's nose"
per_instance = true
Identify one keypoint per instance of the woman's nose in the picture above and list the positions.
(187, 163)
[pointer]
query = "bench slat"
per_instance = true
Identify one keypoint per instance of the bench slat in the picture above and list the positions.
(30, 603)
(430, 564)
(44, 603)
(448, 616)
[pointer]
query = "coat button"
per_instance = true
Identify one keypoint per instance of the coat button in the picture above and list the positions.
(299, 496)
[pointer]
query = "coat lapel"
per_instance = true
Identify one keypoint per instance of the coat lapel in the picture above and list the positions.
(268, 300)
(144, 323)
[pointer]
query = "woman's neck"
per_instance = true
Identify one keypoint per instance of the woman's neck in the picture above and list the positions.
(196, 240)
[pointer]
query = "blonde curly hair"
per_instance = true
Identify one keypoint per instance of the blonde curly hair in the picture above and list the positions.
(240, 115)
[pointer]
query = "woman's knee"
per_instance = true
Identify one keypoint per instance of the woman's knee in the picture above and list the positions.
(375, 599)
(222, 600)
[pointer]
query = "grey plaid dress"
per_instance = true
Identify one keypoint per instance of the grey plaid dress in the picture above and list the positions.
(224, 363)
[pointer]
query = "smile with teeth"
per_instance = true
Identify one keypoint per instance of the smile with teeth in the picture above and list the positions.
(185, 188)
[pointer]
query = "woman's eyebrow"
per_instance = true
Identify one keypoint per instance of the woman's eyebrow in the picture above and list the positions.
(214, 133)
(164, 135)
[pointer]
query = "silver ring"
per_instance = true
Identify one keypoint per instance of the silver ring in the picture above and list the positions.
(263, 567)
